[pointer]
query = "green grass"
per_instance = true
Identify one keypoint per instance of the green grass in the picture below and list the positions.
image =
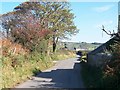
(21, 70)
(18, 68)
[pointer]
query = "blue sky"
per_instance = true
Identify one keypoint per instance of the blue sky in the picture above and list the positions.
(90, 16)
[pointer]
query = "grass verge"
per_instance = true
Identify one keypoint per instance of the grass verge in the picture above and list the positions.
(18, 68)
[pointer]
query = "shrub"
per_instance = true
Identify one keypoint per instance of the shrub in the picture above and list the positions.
(19, 67)
(107, 77)
(112, 71)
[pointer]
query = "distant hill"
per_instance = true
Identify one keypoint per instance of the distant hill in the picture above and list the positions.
(81, 45)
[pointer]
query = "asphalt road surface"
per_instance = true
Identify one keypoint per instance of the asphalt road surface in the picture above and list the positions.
(65, 74)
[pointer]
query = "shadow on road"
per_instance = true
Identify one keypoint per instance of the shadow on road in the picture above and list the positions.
(60, 78)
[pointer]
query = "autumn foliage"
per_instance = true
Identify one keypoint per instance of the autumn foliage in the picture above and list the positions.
(29, 32)
(9, 47)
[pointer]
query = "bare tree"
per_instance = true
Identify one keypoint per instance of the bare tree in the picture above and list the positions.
(112, 34)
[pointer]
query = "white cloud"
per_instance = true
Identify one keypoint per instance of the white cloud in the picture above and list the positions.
(102, 8)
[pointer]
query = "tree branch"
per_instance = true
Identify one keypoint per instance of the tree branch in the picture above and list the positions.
(111, 34)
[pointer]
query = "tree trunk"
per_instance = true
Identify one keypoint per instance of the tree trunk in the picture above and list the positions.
(55, 40)
(54, 46)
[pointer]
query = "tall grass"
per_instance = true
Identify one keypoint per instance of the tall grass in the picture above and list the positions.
(18, 68)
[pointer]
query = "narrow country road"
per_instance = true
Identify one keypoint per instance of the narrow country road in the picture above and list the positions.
(65, 74)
